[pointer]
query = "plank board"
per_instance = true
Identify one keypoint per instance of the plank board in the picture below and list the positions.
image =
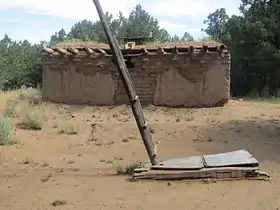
(234, 165)
(230, 159)
(228, 173)
(188, 163)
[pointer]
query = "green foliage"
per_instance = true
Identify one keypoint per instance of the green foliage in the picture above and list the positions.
(58, 37)
(31, 120)
(254, 42)
(187, 37)
(217, 25)
(31, 117)
(139, 23)
(20, 64)
(6, 129)
(24, 98)
(84, 31)
(11, 109)
(32, 95)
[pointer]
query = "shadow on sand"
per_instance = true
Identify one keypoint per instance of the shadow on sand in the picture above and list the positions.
(260, 137)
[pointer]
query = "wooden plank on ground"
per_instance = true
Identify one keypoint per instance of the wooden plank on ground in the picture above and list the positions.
(206, 173)
(241, 158)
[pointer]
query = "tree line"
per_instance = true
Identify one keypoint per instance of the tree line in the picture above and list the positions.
(252, 38)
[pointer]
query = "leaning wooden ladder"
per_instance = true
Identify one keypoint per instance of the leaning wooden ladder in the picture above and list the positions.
(235, 165)
(129, 87)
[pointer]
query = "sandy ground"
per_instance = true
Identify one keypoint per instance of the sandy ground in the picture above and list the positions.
(79, 169)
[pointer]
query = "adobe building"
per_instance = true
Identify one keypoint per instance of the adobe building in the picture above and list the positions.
(190, 74)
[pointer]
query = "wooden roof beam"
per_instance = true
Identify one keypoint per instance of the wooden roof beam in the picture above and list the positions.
(205, 48)
(101, 51)
(175, 50)
(49, 50)
(89, 51)
(221, 50)
(145, 51)
(191, 49)
(73, 50)
(160, 50)
(61, 51)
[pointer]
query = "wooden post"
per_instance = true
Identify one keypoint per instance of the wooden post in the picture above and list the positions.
(129, 87)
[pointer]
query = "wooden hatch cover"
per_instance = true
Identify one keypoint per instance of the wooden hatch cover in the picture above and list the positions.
(234, 165)
(240, 158)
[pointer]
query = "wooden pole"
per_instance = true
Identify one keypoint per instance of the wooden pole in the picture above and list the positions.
(129, 87)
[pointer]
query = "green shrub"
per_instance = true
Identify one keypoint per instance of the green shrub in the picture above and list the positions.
(6, 128)
(32, 95)
(31, 120)
(11, 109)
(129, 169)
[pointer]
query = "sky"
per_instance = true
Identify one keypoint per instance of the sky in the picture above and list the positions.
(37, 20)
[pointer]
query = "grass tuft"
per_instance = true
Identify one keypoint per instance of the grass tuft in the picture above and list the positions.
(129, 168)
(70, 130)
(59, 203)
(31, 119)
(32, 95)
(6, 128)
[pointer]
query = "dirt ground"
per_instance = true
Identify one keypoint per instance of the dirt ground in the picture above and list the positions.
(78, 170)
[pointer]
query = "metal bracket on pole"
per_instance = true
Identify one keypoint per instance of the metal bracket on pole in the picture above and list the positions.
(136, 98)
(145, 125)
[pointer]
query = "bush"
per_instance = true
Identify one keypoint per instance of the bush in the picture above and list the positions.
(23, 99)
(11, 109)
(31, 119)
(6, 129)
(32, 95)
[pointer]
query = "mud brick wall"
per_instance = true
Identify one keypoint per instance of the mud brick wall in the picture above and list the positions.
(181, 80)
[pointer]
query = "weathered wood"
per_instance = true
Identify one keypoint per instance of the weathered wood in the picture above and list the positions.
(221, 50)
(140, 170)
(49, 50)
(61, 51)
(89, 51)
(191, 49)
(129, 87)
(145, 51)
(175, 50)
(205, 173)
(73, 50)
(101, 51)
(160, 50)
(205, 48)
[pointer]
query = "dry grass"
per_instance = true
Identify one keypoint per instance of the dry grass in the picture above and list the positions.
(5, 96)
(12, 109)
(69, 129)
(151, 45)
(80, 44)
(32, 95)
(31, 119)
(129, 168)
(6, 129)
(23, 105)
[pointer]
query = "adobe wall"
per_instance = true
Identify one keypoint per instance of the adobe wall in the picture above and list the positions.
(197, 80)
